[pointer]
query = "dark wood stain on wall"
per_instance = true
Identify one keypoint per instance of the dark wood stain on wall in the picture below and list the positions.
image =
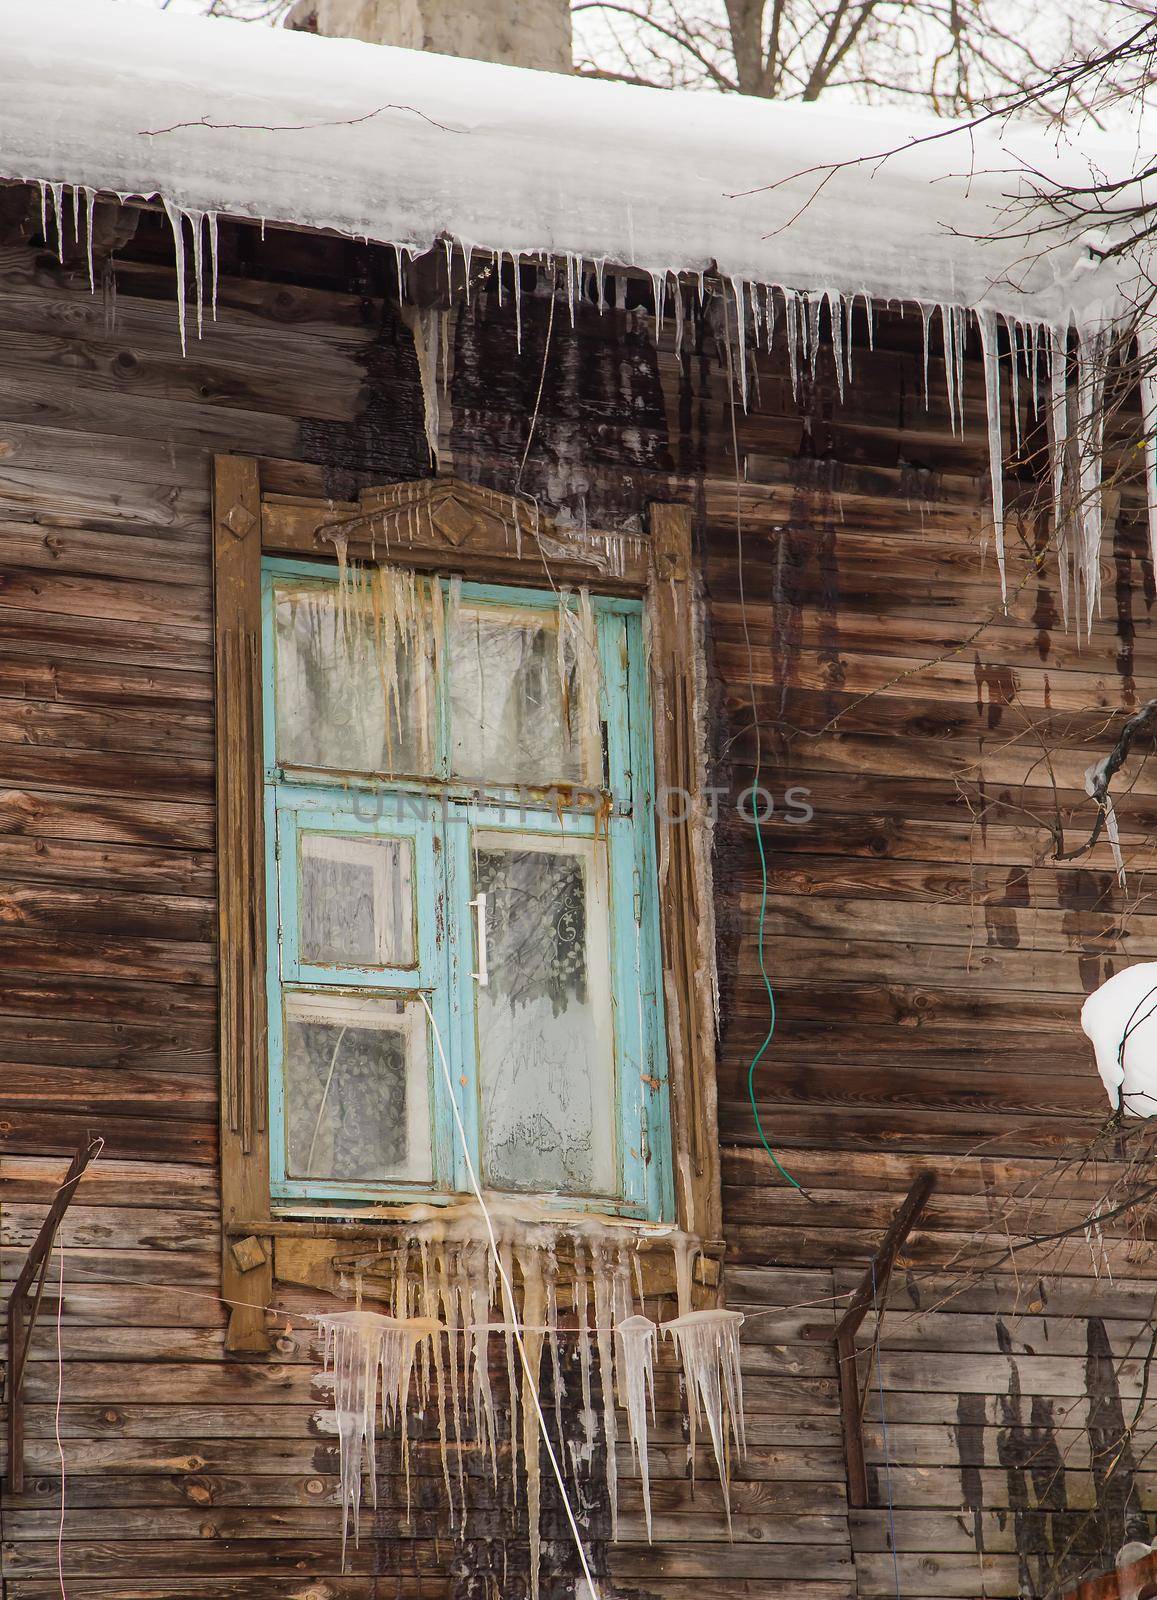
(928, 958)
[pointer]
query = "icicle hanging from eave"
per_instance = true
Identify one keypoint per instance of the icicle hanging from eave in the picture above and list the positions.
(1092, 355)
(1077, 512)
(1147, 363)
(1058, 417)
(991, 356)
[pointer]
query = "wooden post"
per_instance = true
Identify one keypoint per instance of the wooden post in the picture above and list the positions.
(20, 1325)
(240, 891)
(685, 912)
(872, 1291)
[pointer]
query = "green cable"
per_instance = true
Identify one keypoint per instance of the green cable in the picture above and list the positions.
(758, 1056)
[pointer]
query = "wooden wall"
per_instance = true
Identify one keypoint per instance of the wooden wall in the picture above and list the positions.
(928, 956)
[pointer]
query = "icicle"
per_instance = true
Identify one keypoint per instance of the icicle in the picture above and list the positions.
(197, 223)
(425, 327)
(989, 347)
(707, 1343)
(684, 1249)
(792, 323)
(583, 1335)
(57, 191)
(678, 297)
(211, 220)
(740, 293)
(1059, 445)
(948, 327)
(636, 1338)
(89, 214)
(509, 1316)
(814, 307)
(449, 1314)
(848, 303)
(1034, 369)
(517, 303)
(1147, 360)
(1012, 329)
(1092, 352)
(600, 1272)
(364, 1349)
(926, 318)
(177, 223)
(551, 1277)
(533, 1315)
(835, 310)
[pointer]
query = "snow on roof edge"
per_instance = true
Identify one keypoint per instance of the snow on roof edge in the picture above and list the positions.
(407, 148)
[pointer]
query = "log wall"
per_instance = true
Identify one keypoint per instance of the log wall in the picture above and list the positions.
(928, 955)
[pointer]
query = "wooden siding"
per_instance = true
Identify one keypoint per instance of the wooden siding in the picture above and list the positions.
(928, 957)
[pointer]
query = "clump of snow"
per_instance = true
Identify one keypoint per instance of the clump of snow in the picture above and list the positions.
(1121, 1020)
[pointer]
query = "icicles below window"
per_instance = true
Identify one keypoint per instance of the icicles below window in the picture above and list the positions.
(636, 1359)
(708, 1346)
(445, 1345)
(369, 1356)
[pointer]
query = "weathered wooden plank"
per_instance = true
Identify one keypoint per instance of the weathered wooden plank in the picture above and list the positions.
(130, 1227)
(153, 1138)
(77, 815)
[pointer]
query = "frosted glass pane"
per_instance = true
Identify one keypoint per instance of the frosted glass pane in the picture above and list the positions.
(517, 713)
(356, 901)
(356, 1088)
(545, 1039)
(344, 702)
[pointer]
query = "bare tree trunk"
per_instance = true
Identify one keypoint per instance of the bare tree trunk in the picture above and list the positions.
(521, 33)
(745, 18)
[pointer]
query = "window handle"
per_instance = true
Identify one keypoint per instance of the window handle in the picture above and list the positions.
(482, 976)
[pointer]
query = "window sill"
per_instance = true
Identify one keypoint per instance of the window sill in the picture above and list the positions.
(356, 1219)
(319, 1250)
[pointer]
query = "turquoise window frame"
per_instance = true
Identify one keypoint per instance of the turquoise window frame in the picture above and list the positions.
(438, 816)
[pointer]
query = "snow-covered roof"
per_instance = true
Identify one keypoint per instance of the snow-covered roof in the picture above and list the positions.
(403, 147)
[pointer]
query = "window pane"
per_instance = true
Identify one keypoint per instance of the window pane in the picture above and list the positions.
(522, 707)
(348, 699)
(356, 900)
(356, 1088)
(545, 1042)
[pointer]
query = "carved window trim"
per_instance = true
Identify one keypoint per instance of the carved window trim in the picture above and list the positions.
(452, 527)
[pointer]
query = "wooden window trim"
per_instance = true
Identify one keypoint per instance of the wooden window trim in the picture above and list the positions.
(452, 527)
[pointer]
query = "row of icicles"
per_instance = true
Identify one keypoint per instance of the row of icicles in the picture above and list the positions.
(1074, 378)
(434, 1347)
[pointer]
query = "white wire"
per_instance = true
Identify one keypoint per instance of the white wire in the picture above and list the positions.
(59, 1396)
(509, 1293)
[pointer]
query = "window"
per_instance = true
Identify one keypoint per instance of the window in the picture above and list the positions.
(459, 833)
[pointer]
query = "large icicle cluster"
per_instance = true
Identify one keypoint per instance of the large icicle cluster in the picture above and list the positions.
(1063, 365)
(449, 1324)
